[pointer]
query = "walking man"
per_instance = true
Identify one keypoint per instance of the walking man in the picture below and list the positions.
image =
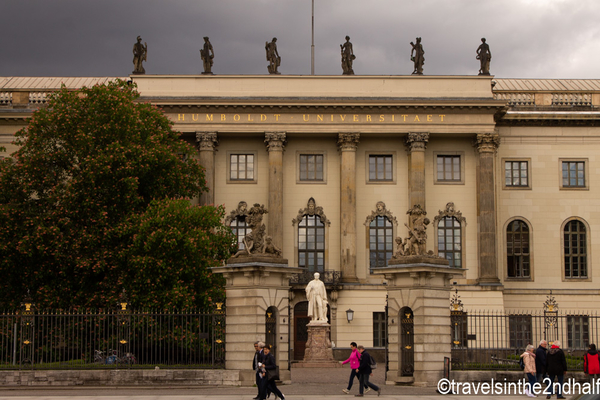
(364, 371)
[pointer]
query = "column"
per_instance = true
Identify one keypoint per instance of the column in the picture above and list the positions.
(275, 142)
(207, 143)
(487, 144)
(416, 142)
(347, 143)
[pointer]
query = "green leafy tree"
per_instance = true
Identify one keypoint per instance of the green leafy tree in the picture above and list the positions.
(95, 173)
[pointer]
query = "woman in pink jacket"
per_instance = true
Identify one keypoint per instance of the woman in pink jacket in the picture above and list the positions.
(354, 361)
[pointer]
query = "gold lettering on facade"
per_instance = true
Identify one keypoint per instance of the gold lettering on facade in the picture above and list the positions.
(250, 118)
(417, 119)
(236, 117)
(442, 117)
(368, 118)
(405, 115)
(209, 117)
(263, 117)
(277, 116)
(319, 117)
(355, 118)
(343, 117)
(194, 117)
(429, 118)
(305, 117)
(180, 117)
(382, 118)
(223, 117)
(393, 117)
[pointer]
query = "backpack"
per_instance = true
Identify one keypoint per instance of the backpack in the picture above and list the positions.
(373, 364)
(522, 363)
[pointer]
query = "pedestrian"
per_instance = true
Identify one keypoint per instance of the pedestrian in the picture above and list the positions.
(529, 361)
(591, 364)
(556, 366)
(540, 361)
(364, 371)
(354, 361)
(258, 359)
(271, 368)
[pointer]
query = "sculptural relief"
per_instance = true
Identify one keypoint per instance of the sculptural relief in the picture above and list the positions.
(415, 243)
(348, 57)
(484, 55)
(140, 53)
(417, 55)
(207, 54)
(254, 242)
(272, 57)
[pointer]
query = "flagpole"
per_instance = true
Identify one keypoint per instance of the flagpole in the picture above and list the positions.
(312, 47)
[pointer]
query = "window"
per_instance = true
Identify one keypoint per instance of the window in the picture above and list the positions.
(380, 168)
(448, 168)
(240, 230)
(573, 174)
(311, 167)
(575, 245)
(241, 167)
(449, 241)
(520, 330)
(381, 239)
(577, 331)
(311, 243)
(379, 329)
(459, 328)
(516, 173)
(517, 250)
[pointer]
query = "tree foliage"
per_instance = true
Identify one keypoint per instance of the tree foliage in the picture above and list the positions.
(95, 201)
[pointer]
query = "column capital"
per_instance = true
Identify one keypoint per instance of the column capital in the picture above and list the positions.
(207, 140)
(275, 141)
(487, 142)
(348, 141)
(417, 140)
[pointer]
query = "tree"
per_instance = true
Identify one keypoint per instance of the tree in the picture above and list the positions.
(95, 173)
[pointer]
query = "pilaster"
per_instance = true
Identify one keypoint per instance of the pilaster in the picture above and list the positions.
(416, 143)
(207, 143)
(275, 142)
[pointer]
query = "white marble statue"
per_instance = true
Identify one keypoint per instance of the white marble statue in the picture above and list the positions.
(317, 300)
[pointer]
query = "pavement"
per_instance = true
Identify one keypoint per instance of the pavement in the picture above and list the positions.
(307, 383)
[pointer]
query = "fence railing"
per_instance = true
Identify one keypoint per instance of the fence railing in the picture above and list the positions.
(59, 339)
(490, 341)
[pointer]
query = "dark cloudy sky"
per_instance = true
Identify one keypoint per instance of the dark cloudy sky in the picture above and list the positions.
(528, 38)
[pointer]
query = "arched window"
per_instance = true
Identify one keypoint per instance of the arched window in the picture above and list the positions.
(311, 243)
(517, 250)
(450, 241)
(575, 249)
(381, 241)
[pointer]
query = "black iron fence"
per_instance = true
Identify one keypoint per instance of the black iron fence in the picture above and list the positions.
(495, 341)
(88, 339)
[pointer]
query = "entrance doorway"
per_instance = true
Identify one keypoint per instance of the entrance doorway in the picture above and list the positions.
(301, 319)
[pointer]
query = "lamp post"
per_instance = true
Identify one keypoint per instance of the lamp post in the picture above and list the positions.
(349, 315)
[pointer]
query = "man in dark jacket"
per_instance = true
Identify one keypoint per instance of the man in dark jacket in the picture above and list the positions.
(556, 366)
(256, 362)
(364, 371)
(540, 362)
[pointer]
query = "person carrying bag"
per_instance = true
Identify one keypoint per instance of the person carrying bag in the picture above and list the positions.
(272, 373)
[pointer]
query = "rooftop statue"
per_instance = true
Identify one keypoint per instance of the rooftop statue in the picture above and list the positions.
(417, 55)
(140, 52)
(273, 57)
(484, 55)
(207, 54)
(347, 57)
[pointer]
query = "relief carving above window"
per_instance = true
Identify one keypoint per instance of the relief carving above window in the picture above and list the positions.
(311, 209)
(450, 211)
(381, 211)
(240, 211)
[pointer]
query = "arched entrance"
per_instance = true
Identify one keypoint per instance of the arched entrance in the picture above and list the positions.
(407, 342)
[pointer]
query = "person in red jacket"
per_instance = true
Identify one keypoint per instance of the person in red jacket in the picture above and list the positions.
(591, 363)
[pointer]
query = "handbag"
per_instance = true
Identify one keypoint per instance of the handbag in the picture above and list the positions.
(373, 363)
(273, 373)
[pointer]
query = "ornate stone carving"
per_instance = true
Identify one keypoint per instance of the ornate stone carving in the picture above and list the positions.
(240, 211)
(348, 57)
(311, 209)
(140, 54)
(275, 141)
(272, 57)
(207, 140)
(417, 140)
(417, 55)
(415, 244)
(381, 211)
(348, 141)
(484, 55)
(487, 142)
(255, 242)
(207, 54)
(450, 211)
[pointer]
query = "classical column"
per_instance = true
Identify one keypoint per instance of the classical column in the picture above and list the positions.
(416, 143)
(347, 143)
(275, 142)
(487, 144)
(207, 143)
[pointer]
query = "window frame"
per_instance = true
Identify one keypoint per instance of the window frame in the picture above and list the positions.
(516, 187)
(388, 224)
(379, 329)
(236, 230)
(437, 232)
(530, 254)
(368, 155)
(515, 324)
(300, 181)
(586, 172)
(307, 251)
(255, 162)
(583, 321)
(461, 155)
(588, 253)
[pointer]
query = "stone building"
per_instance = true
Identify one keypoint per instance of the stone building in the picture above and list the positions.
(504, 168)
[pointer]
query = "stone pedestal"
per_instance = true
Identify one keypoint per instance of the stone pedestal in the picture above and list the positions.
(318, 351)
(421, 284)
(253, 284)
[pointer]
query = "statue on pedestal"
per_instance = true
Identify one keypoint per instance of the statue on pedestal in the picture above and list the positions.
(417, 55)
(273, 57)
(316, 294)
(415, 243)
(207, 54)
(484, 55)
(254, 242)
(140, 53)
(347, 57)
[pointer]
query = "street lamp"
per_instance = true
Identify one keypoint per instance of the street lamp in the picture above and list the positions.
(349, 315)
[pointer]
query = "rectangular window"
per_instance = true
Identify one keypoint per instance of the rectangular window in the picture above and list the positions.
(448, 168)
(516, 173)
(241, 167)
(380, 168)
(578, 331)
(379, 329)
(520, 330)
(311, 167)
(573, 174)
